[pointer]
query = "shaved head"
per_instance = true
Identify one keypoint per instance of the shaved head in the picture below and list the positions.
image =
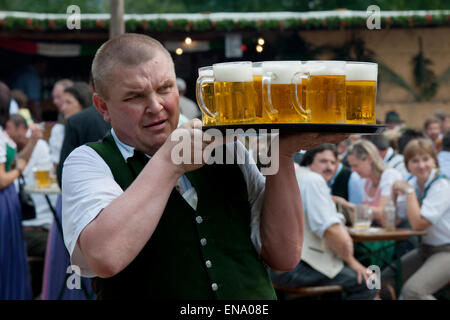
(129, 49)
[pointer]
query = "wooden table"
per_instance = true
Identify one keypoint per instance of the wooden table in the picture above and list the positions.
(380, 234)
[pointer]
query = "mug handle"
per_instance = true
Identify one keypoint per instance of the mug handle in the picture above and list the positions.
(267, 99)
(296, 80)
(199, 96)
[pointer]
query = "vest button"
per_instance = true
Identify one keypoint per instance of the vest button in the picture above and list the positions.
(208, 264)
(199, 219)
(214, 286)
(203, 242)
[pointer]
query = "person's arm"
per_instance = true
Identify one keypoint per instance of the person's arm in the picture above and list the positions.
(339, 241)
(119, 232)
(341, 244)
(388, 178)
(378, 210)
(36, 134)
(417, 222)
(6, 178)
(282, 214)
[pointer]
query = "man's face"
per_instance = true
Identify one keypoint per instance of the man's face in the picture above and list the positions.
(142, 103)
(57, 94)
(15, 133)
(433, 130)
(325, 164)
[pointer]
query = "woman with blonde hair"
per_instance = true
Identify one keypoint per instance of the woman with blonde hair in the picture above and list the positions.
(363, 157)
(425, 199)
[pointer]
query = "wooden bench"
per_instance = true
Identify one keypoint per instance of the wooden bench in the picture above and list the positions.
(312, 291)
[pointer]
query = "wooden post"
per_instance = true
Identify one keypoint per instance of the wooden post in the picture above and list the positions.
(116, 25)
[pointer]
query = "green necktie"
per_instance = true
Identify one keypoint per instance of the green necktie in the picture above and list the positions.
(137, 162)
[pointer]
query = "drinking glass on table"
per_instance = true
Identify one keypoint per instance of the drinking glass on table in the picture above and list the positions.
(363, 217)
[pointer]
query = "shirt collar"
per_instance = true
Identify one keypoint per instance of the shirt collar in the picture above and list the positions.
(126, 150)
(430, 178)
(330, 184)
(389, 153)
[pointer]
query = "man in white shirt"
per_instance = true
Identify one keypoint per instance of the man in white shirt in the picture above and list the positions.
(125, 225)
(327, 243)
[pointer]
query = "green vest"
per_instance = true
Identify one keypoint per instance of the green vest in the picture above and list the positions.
(173, 264)
(340, 185)
(10, 156)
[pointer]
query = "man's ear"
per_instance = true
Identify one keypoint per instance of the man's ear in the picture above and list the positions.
(101, 106)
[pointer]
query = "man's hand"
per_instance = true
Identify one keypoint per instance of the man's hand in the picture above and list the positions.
(20, 164)
(400, 187)
(294, 142)
(185, 147)
(36, 132)
(360, 270)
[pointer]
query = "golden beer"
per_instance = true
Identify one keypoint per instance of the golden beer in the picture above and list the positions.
(361, 89)
(257, 87)
(257, 101)
(281, 101)
(234, 92)
(42, 178)
(361, 96)
(325, 98)
(234, 101)
(207, 92)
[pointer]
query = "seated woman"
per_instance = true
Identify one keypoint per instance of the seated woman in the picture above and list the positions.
(425, 198)
(363, 157)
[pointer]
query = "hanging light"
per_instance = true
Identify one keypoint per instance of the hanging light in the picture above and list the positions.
(188, 40)
(259, 48)
(261, 41)
(179, 51)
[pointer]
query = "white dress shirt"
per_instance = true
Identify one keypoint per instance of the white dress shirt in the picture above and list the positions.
(44, 216)
(55, 141)
(88, 186)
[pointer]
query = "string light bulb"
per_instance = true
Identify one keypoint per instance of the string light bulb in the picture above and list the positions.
(261, 41)
(259, 48)
(179, 51)
(188, 40)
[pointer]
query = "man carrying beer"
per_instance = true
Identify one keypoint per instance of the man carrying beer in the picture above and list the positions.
(142, 226)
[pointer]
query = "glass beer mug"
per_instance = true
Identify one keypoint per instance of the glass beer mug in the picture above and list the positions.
(205, 95)
(325, 91)
(233, 93)
(361, 91)
(41, 173)
(257, 87)
(281, 91)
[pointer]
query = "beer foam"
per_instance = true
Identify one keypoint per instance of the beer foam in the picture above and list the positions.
(283, 71)
(233, 72)
(361, 72)
(257, 71)
(325, 68)
(205, 72)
